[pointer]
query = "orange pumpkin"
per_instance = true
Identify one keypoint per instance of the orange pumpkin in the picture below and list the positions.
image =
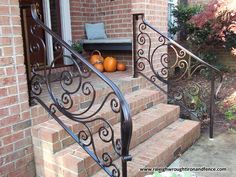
(110, 64)
(121, 67)
(96, 57)
(99, 67)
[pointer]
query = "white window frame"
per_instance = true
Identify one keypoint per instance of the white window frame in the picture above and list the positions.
(171, 5)
(65, 28)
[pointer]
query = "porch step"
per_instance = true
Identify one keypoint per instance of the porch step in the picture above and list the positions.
(74, 161)
(162, 148)
(52, 137)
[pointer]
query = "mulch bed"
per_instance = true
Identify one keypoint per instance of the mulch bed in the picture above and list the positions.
(226, 104)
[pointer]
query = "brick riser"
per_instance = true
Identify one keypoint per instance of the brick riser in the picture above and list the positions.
(161, 149)
(53, 137)
(73, 161)
(49, 137)
(146, 124)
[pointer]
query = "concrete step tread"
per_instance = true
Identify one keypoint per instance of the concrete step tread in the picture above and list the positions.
(145, 125)
(160, 149)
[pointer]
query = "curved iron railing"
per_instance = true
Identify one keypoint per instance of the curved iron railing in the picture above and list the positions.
(63, 102)
(190, 80)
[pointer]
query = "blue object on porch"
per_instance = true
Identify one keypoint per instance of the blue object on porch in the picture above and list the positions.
(95, 31)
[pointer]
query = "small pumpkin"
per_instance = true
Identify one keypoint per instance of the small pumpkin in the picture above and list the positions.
(110, 64)
(99, 67)
(121, 67)
(96, 57)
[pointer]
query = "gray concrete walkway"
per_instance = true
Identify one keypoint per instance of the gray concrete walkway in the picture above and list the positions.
(219, 152)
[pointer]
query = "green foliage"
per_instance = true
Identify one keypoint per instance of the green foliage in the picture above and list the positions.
(78, 46)
(204, 31)
(230, 114)
(183, 14)
(231, 40)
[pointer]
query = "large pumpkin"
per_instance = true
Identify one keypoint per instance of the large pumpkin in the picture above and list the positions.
(99, 67)
(110, 64)
(121, 67)
(96, 57)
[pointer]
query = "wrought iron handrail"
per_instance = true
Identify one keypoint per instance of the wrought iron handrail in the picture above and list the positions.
(192, 55)
(121, 146)
(144, 38)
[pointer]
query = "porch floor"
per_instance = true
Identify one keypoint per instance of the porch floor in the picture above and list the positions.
(117, 77)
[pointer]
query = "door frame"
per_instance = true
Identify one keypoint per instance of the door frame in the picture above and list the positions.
(65, 28)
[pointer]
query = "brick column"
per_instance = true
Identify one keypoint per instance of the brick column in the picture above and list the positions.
(16, 154)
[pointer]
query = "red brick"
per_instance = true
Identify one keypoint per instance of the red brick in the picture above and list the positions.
(8, 51)
(6, 61)
(21, 69)
(17, 30)
(9, 120)
(5, 131)
(7, 81)
(8, 101)
(48, 135)
(20, 60)
(25, 115)
(13, 156)
(6, 149)
(12, 138)
(7, 168)
(22, 143)
(10, 70)
(2, 72)
(4, 20)
(6, 31)
(16, 20)
(5, 41)
(12, 90)
(14, 2)
(4, 112)
(14, 110)
(23, 161)
(24, 106)
(15, 10)
(3, 92)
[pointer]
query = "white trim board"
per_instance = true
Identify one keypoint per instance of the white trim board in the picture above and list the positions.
(65, 28)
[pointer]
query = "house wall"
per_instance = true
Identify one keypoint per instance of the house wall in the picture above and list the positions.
(16, 153)
(117, 17)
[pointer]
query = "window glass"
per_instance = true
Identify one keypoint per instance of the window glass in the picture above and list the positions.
(171, 19)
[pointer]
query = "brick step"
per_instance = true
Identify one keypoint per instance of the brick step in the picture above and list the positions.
(127, 85)
(52, 137)
(74, 161)
(161, 149)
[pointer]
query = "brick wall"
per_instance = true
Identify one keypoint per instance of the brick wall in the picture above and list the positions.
(117, 17)
(16, 154)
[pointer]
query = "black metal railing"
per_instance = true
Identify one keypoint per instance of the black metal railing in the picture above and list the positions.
(191, 81)
(62, 101)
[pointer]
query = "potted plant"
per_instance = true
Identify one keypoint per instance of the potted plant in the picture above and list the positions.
(78, 46)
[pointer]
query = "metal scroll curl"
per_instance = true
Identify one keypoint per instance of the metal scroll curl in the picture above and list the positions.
(161, 60)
